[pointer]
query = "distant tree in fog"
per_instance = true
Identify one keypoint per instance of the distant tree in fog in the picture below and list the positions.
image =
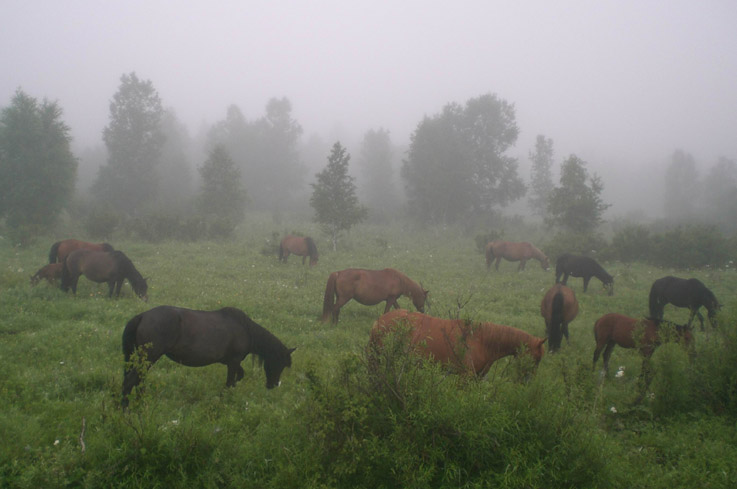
(334, 196)
(174, 171)
(221, 192)
(456, 166)
(576, 203)
(541, 177)
(134, 139)
(378, 174)
(37, 167)
(720, 195)
(266, 151)
(681, 187)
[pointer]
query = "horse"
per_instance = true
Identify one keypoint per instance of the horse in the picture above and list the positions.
(465, 346)
(369, 287)
(510, 251)
(112, 267)
(681, 292)
(301, 246)
(61, 249)
(582, 266)
(559, 307)
(646, 334)
(50, 272)
(198, 338)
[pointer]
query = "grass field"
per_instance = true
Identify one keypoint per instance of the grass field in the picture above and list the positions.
(329, 425)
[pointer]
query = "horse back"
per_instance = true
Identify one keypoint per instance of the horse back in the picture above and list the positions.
(621, 329)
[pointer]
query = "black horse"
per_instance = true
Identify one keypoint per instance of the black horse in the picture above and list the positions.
(582, 266)
(112, 267)
(682, 292)
(199, 338)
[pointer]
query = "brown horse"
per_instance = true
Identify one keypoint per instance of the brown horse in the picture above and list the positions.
(646, 334)
(61, 249)
(520, 252)
(50, 272)
(369, 287)
(303, 246)
(469, 347)
(559, 307)
(112, 267)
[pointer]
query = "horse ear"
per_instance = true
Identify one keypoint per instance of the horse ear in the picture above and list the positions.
(543, 340)
(292, 350)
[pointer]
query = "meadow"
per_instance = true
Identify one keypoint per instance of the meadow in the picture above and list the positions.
(331, 423)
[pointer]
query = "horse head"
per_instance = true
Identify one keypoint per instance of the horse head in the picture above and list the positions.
(419, 299)
(275, 365)
(545, 263)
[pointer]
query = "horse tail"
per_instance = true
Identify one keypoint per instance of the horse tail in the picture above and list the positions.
(656, 310)
(556, 321)
(329, 300)
(54, 251)
(129, 336)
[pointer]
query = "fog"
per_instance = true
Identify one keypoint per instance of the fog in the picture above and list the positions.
(622, 84)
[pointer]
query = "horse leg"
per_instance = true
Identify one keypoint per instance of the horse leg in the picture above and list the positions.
(111, 286)
(340, 302)
(521, 265)
(235, 373)
(586, 283)
(607, 354)
(565, 278)
(118, 286)
(646, 376)
(133, 373)
(391, 301)
(564, 329)
(698, 314)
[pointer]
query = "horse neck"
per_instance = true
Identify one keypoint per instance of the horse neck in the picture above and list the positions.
(410, 288)
(264, 343)
(536, 253)
(502, 340)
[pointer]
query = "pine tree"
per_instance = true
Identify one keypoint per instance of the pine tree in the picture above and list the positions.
(541, 180)
(334, 196)
(221, 192)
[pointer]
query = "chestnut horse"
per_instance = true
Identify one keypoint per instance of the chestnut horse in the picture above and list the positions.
(112, 267)
(559, 307)
(646, 334)
(369, 287)
(469, 347)
(520, 252)
(61, 249)
(50, 272)
(298, 245)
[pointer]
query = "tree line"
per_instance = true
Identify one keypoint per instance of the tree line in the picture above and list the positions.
(456, 170)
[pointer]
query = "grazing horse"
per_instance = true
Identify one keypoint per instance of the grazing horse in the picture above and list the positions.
(646, 334)
(369, 287)
(582, 266)
(469, 347)
(298, 245)
(112, 267)
(559, 307)
(681, 292)
(510, 251)
(50, 272)
(199, 338)
(61, 249)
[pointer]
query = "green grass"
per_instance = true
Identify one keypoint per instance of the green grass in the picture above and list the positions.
(329, 425)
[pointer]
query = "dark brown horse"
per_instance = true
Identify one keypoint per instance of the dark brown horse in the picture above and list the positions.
(645, 334)
(369, 287)
(582, 266)
(50, 272)
(303, 246)
(510, 251)
(112, 267)
(61, 249)
(199, 338)
(469, 347)
(681, 292)
(559, 307)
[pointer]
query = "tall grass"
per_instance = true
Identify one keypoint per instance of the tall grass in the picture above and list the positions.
(334, 422)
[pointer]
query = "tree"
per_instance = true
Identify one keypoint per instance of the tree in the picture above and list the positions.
(221, 192)
(334, 196)
(174, 171)
(37, 167)
(681, 187)
(456, 164)
(720, 195)
(134, 139)
(576, 204)
(378, 174)
(541, 179)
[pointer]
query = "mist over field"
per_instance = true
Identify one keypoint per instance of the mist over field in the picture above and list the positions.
(622, 85)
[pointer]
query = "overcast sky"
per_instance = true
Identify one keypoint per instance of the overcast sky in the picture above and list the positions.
(622, 84)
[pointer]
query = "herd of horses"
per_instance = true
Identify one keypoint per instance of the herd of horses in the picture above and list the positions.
(228, 335)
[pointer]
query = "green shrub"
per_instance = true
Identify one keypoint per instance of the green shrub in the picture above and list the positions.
(693, 246)
(632, 243)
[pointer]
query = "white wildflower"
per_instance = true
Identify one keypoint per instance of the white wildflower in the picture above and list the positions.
(613, 410)
(56, 442)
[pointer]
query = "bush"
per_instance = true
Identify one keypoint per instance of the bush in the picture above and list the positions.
(576, 243)
(632, 243)
(101, 223)
(692, 246)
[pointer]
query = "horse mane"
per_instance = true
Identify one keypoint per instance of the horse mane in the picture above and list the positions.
(410, 286)
(500, 334)
(107, 247)
(311, 247)
(130, 272)
(268, 346)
